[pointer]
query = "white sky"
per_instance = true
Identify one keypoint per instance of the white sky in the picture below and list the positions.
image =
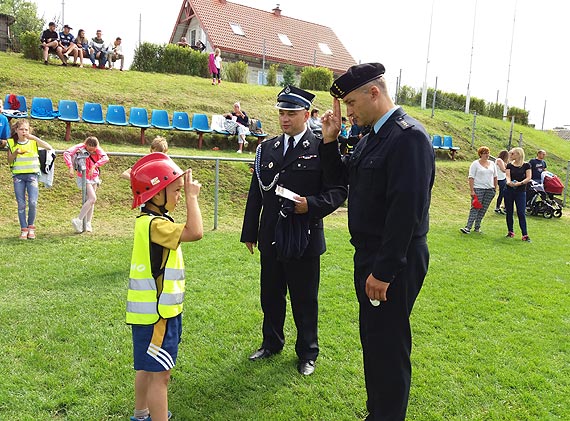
(396, 33)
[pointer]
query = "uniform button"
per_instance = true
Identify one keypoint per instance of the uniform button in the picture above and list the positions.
(280, 200)
(282, 171)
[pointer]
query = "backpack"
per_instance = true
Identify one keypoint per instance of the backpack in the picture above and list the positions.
(255, 126)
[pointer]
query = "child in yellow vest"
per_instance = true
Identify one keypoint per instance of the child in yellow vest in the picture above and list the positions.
(24, 162)
(156, 280)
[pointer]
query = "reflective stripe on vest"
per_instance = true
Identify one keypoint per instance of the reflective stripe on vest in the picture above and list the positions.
(28, 162)
(143, 307)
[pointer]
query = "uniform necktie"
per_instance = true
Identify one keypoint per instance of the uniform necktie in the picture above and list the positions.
(290, 141)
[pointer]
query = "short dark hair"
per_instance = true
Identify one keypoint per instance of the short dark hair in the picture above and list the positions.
(118, 39)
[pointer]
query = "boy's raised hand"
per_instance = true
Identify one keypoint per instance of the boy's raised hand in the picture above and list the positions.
(191, 187)
(331, 120)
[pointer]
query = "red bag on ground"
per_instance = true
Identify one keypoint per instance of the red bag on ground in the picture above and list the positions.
(475, 202)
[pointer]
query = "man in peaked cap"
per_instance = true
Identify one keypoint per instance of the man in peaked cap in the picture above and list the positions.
(290, 160)
(390, 173)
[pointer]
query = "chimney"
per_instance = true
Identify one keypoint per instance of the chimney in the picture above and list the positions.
(277, 11)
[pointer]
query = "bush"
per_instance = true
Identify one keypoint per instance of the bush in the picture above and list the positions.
(170, 58)
(272, 75)
(289, 76)
(316, 78)
(30, 45)
(235, 72)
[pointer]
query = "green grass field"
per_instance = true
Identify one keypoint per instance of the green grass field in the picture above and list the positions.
(491, 325)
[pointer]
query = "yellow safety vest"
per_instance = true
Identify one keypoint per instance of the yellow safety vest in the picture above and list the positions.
(144, 305)
(29, 161)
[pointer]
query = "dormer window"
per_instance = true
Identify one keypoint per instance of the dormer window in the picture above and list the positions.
(237, 29)
(285, 40)
(325, 49)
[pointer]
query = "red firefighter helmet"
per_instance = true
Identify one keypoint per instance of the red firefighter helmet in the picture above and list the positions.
(151, 174)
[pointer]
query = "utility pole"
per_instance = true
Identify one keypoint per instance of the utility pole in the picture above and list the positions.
(63, 12)
(506, 106)
(433, 102)
(543, 114)
(424, 90)
(468, 96)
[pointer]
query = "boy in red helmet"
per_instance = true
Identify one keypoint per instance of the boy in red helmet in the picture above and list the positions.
(156, 280)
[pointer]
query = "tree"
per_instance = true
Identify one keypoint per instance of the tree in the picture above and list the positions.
(289, 75)
(26, 18)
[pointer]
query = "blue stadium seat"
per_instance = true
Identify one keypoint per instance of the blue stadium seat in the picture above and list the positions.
(68, 110)
(116, 115)
(159, 120)
(138, 117)
(69, 113)
(436, 141)
(260, 134)
(448, 143)
(201, 125)
(42, 109)
(93, 113)
(181, 121)
(20, 112)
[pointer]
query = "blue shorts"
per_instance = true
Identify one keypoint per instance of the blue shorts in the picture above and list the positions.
(155, 347)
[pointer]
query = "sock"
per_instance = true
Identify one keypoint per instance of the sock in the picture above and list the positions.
(141, 414)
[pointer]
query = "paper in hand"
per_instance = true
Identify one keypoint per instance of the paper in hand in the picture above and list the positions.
(286, 193)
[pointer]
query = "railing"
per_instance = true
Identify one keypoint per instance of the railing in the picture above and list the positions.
(195, 158)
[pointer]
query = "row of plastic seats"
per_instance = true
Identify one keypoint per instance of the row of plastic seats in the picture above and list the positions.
(445, 144)
(68, 111)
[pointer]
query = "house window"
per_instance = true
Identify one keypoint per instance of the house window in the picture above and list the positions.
(285, 40)
(325, 49)
(237, 29)
(193, 37)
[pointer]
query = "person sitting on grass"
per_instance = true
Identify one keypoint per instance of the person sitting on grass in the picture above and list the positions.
(67, 44)
(156, 280)
(50, 44)
(97, 50)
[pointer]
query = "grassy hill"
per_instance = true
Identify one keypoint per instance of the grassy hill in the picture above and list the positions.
(490, 325)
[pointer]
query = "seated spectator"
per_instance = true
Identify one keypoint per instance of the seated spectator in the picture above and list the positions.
(242, 120)
(67, 45)
(199, 46)
(82, 44)
(50, 43)
(314, 121)
(183, 42)
(114, 53)
(97, 50)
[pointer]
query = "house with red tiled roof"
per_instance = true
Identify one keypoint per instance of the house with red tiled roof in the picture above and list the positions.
(259, 38)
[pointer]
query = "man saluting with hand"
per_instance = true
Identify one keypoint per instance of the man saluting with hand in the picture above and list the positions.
(391, 174)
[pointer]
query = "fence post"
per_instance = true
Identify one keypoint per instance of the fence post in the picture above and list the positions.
(511, 133)
(566, 187)
(473, 128)
(520, 140)
(216, 190)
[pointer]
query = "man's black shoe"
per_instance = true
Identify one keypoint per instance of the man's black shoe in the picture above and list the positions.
(260, 354)
(306, 367)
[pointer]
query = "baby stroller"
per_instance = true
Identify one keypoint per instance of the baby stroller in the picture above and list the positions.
(540, 197)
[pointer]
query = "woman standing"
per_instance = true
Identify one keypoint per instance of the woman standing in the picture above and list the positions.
(501, 164)
(24, 162)
(518, 176)
(482, 183)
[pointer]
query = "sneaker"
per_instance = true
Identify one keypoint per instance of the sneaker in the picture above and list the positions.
(498, 211)
(510, 234)
(24, 234)
(81, 65)
(77, 225)
(94, 65)
(88, 227)
(478, 230)
(526, 238)
(46, 62)
(465, 230)
(238, 151)
(245, 143)
(148, 418)
(31, 232)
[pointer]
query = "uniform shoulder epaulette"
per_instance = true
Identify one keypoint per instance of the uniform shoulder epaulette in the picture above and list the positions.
(404, 123)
